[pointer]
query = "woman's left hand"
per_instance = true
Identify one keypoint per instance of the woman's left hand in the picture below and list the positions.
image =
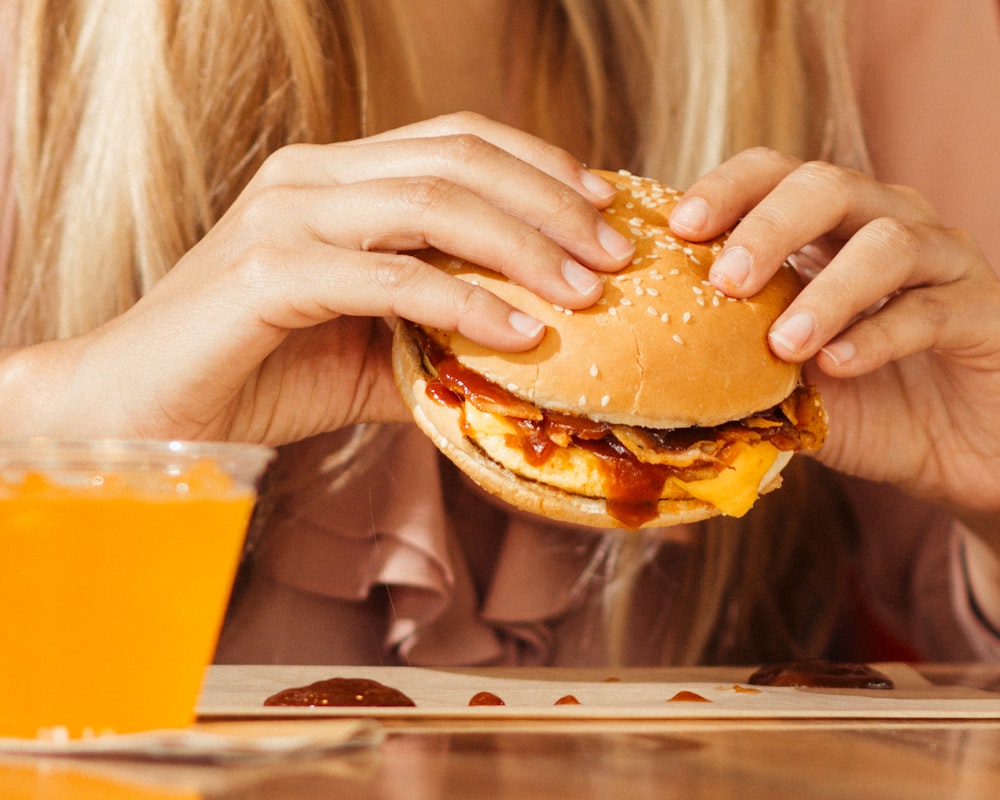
(900, 320)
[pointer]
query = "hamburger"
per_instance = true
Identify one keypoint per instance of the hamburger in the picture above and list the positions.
(661, 404)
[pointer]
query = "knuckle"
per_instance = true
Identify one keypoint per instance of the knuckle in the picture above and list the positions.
(466, 148)
(893, 234)
(260, 211)
(458, 122)
(395, 275)
(922, 208)
(470, 303)
(283, 162)
(427, 193)
(823, 176)
(257, 261)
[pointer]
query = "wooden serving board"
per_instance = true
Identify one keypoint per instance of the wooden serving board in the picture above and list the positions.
(238, 692)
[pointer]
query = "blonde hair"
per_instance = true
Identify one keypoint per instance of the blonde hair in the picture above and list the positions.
(137, 123)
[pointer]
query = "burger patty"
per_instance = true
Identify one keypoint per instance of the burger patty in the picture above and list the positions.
(694, 453)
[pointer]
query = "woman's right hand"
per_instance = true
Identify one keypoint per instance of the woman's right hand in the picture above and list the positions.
(272, 327)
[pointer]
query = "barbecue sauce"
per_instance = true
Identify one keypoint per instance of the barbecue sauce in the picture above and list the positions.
(341, 692)
(822, 674)
(633, 488)
(486, 699)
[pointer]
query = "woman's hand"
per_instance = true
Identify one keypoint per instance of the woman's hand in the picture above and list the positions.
(271, 328)
(901, 317)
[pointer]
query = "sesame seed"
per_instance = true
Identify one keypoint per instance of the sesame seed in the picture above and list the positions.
(583, 400)
(675, 271)
(697, 290)
(715, 302)
(664, 317)
(613, 311)
(701, 301)
(558, 307)
(594, 371)
(511, 387)
(605, 400)
(626, 302)
(652, 310)
(678, 339)
(568, 312)
(652, 293)
(687, 316)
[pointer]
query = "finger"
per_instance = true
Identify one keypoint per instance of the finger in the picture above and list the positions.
(319, 282)
(808, 202)
(543, 155)
(713, 203)
(401, 214)
(883, 259)
(553, 206)
(907, 324)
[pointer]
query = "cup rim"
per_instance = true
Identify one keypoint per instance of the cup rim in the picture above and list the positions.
(246, 459)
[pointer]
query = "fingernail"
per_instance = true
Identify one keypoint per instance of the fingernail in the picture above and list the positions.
(793, 333)
(691, 215)
(731, 269)
(597, 186)
(614, 244)
(579, 277)
(528, 327)
(840, 352)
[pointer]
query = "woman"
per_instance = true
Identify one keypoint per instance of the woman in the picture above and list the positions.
(174, 271)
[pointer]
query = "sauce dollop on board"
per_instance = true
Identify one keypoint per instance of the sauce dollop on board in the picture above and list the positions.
(341, 692)
(486, 699)
(822, 674)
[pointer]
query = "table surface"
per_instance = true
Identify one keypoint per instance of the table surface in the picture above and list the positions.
(553, 758)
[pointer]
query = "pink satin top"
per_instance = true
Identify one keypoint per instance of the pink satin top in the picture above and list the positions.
(384, 570)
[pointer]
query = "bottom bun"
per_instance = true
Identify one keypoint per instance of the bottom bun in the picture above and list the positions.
(442, 424)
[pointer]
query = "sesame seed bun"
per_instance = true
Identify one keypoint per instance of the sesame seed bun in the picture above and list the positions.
(662, 349)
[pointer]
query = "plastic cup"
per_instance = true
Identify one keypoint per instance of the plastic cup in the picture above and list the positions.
(116, 563)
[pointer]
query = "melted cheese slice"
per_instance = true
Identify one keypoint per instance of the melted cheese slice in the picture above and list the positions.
(735, 490)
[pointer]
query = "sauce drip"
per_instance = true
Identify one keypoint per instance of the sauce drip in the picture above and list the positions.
(821, 673)
(567, 700)
(341, 692)
(685, 696)
(486, 699)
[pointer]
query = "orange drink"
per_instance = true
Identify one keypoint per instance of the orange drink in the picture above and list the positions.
(116, 563)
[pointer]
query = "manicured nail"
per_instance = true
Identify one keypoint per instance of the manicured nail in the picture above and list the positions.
(529, 327)
(614, 244)
(690, 215)
(597, 186)
(793, 333)
(579, 277)
(731, 269)
(840, 352)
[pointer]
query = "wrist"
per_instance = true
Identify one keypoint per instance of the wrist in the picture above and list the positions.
(36, 398)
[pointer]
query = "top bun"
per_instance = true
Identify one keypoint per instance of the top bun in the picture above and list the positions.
(662, 347)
